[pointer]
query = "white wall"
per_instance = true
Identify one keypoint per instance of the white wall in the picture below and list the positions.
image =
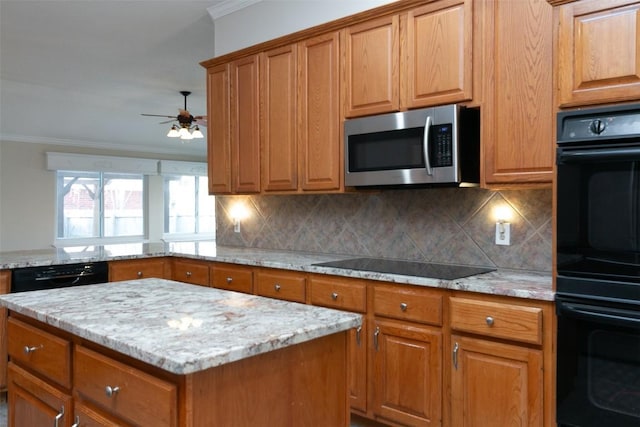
(270, 19)
(28, 194)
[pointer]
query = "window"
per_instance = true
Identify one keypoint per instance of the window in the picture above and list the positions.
(100, 205)
(189, 211)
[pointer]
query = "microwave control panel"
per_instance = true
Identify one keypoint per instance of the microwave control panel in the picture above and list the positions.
(441, 145)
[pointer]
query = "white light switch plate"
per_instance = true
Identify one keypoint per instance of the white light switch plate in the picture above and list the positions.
(503, 237)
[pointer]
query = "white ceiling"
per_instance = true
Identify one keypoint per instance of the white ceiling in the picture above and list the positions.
(80, 72)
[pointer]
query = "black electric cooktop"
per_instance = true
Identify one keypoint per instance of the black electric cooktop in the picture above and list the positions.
(408, 268)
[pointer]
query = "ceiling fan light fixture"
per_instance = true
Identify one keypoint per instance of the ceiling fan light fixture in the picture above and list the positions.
(185, 134)
(173, 132)
(197, 133)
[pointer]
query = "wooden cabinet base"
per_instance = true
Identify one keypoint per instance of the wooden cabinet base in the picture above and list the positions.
(301, 385)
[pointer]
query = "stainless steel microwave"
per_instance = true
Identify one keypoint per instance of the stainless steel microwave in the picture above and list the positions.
(438, 145)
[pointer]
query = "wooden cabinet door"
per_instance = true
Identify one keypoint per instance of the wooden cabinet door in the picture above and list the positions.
(245, 124)
(438, 67)
(320, 130)
(191, 271)
(500, 384)
(33, 402)
(218, 130)
(517, 115)
(407, 373)
(371, 66)
(598, 52)
(138, 269)
(278, 124)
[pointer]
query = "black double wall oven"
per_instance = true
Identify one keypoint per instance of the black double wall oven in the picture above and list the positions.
(598, 267)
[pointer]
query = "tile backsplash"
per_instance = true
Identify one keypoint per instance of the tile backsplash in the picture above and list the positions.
(445, 225)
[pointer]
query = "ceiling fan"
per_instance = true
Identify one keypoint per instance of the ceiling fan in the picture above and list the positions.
(184, 128)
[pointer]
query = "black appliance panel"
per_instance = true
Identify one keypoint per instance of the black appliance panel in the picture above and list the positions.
(58, 276)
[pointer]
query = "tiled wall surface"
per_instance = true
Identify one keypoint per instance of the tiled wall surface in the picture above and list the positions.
(446, 225)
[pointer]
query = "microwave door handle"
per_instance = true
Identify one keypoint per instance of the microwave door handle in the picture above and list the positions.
(425, 143)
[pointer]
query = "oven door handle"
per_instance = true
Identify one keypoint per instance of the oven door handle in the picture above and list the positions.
(599, 154)
(609, 315)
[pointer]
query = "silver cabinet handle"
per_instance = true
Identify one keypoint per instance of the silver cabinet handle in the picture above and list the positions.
(489, 320)
(188, 274)
(139, 273)
(358, 335)
(77, 423)
(29, 350)
(334, 296)
(375, 337)
(229, 279)
(403, 306)
(277, 287)
(111, 391)
(58, 417)
(455, 355)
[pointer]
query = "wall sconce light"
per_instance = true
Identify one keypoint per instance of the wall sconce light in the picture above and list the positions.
(237, 213)
(503, 215)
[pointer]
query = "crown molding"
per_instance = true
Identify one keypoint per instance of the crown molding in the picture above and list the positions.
(177, 150)
(226, 7)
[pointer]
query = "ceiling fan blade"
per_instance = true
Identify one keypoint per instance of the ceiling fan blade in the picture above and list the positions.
(167, 121)
(200, 121)
(158, 115)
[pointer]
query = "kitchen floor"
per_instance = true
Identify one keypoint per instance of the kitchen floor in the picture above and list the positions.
(355, 421)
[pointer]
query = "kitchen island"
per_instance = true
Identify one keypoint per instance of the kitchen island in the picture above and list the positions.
(163, 353)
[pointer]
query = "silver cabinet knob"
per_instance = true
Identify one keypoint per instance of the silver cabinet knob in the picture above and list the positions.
(277, 287)
(403, 306)
(334, 296)
(29, 350)
(188, 274)
(229, 279)
(111, 391)
(489, 320)
(139, 273)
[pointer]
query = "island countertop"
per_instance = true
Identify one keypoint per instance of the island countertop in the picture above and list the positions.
(178, 327)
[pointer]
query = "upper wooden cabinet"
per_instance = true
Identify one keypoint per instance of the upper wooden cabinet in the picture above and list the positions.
(439, 54)
(245, 124)
(219, 130)
(279, 117)
(371, 67)
(319, 115)
(598, 52)
(413, 59)
(300, 122)
(517, 115)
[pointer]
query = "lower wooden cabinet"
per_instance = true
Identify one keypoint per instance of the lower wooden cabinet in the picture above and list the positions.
(285, 285)
(139, 269)
(5, 288)
(231, 277)
(34, 402)
(190, 271)
(407, 373)
(498, 383)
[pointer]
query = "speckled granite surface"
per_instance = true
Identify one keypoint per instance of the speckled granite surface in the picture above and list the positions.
(178, 327)
(515, 283)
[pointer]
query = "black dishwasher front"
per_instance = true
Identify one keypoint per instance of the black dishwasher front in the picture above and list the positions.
(58, 276)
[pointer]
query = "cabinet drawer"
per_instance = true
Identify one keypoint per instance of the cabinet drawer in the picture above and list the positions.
(344, 294)
(232, 278)
(415, 304)
(137, 269)
(191, 272)
(496, 319)
(281, 285)
(40, 351)
(139, 398)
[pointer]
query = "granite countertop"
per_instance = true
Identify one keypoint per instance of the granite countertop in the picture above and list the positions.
(178, 327)
(515, 283)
